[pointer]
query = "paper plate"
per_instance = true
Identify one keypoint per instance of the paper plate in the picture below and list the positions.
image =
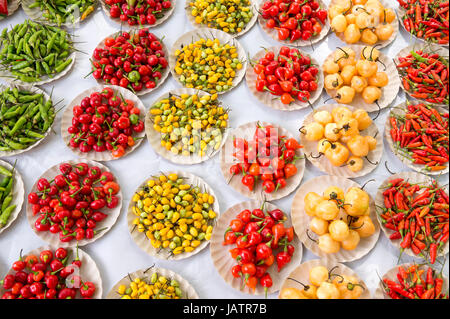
(36, 14)
(379, 44)
(388, 93)
(154, 137)
(137, 26)
(87, 272)
(18, 192)
(66, 122)
(301, 220)
(301, 273)
(412, 177)
(227, 160)
(428, 47)
(322, 163)
(391, 274)
(400, 13)
(142, 240)
(273, 33)
(272, 100)
(164, 73)
(212, 34)
(53, 239)
(13, 5)
(46, 98)
(401, 110)
(223, 262)
(247, 27)
(186, 288)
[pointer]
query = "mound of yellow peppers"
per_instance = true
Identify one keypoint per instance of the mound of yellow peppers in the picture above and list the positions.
(207, 65)
(190, 124)
(173, 214)
(324, 284)
(158, 287)
(338, 136)
(349, 75)
(339, 218)
(230, 16)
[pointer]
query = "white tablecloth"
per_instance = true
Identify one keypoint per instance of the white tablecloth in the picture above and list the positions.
(115, 253)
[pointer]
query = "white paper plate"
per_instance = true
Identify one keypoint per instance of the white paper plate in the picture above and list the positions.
(18, 193)
(412, 177)
(401, 110)
(388, 93)
(212, 34)
(167, 14)
(301, 273)
(87, 272)
(301, 220)
(247, 27)
(391, 274)
(46, 98)
(425, 47)
(141, 239)
(223, 262)
(66, 122)
(298, 43)
(154, 137)
(188, 292)
(53, 239)
(322, 163)
(380, 44)
(272, 100)
(227, 160)
(164, 73)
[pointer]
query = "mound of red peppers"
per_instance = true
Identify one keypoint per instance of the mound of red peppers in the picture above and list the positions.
(268, 158)
(294, 19)
(288, 74)
(412, 284)
(70, 204)
(418, 215)
(48, 276)
(105, 121)
(426, 19)
(138, 12)
(422, 136)
(257, 234)
(425, 76)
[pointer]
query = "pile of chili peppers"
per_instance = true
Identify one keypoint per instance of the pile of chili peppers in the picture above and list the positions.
(288, 74)
(267, 158)
(418, 215)
(50, 275)
(426, 19)
(257, 234)
(411, 284)
(422, 136)
(425, 76)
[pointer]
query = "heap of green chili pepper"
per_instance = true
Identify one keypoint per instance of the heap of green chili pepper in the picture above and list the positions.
(425, 76)
(63, 11)
(427, 19)
(25, 118)
(6, 194)
(31, 51)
